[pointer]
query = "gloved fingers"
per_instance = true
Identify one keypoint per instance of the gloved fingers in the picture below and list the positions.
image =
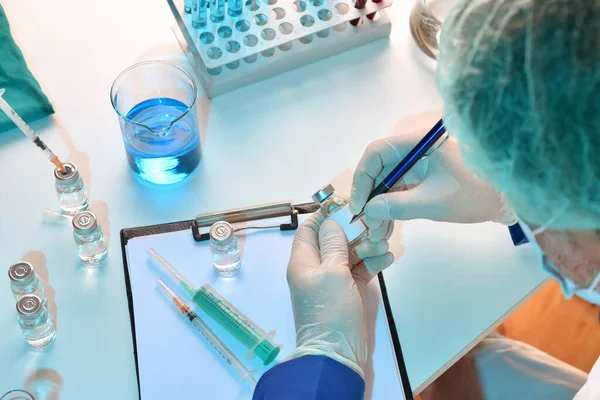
(377, 155)
(383, 232)
(305, 248)
(313, 223)
(308, 231)
(427, 200)
(371, 266)
(378, 229)
(372, 223)
(377, 264)
(367, 249)
(414, 176)
(333, 244)
(380, 157)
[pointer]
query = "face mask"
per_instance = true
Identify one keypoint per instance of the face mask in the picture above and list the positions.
(568, 287)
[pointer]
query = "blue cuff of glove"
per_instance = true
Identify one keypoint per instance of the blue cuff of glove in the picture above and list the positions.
(310, 378)
(517, 235)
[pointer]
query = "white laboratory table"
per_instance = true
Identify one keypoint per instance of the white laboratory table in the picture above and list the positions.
(275, 140)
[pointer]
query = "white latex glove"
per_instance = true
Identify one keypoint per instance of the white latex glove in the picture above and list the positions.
(438, 188)
(328, 291)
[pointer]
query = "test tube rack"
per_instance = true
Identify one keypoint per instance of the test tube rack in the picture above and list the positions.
(274, 36)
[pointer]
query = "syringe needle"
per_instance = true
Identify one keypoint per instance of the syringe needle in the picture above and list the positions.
(166, 266)
(27, 131)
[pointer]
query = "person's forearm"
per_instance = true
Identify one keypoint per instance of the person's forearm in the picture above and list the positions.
(460, 382)
(310, 378)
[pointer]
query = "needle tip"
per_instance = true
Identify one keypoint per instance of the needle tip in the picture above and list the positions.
(58, 164)
(2, 91)
(357, 217)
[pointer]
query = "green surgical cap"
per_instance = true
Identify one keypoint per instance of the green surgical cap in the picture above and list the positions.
(521, 82)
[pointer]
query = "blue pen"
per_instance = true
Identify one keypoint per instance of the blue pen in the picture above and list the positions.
(420, 150)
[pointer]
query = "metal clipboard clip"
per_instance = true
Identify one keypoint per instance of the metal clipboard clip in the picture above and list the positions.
(254, 213)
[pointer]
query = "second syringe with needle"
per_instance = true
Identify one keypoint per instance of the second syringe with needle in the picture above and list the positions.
(208, 334)
(258, 342)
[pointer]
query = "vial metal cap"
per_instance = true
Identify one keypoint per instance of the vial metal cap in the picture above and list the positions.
(29, 305)
(221, 233)
(323, 193)
(69, 176)
(21, 272)
(84, 222)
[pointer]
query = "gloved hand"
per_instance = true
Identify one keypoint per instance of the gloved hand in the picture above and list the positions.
(328, 291)
(439, 187)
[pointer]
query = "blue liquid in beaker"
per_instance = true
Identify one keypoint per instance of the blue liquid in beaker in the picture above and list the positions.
(162, 155)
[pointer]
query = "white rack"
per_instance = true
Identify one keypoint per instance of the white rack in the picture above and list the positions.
(274, 37)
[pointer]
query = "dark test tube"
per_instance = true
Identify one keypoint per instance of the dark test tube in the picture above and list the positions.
(372, 15)
(360, 4)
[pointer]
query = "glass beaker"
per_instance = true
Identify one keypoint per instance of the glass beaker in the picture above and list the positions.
(17, 395)
(156, 105)
(426, 20)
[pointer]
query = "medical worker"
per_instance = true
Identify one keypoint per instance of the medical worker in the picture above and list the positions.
(521, 80)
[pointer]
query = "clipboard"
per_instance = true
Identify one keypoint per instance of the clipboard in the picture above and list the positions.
(173, 361)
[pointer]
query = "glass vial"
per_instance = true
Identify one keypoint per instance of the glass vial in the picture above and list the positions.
(234, 7)
(217, 10)
(24, 281)
(17, 394)
(70, 190)
(224, 249)
(91, 245)
(35, 322)
(331, 203)
(200, 14)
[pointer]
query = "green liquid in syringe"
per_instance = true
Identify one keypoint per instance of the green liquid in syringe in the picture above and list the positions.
(257, 341)
(254, 338)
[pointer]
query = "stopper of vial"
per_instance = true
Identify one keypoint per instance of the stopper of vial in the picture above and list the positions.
(323, 193)
(69, 176)
(221, 233)
(84, 222)
(21, 272)
(29, 305)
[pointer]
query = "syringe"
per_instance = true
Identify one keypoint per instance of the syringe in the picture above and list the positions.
(256, 340)
(208, 334)
(27, 131)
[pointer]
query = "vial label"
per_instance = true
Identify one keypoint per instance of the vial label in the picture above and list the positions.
(343, 217)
